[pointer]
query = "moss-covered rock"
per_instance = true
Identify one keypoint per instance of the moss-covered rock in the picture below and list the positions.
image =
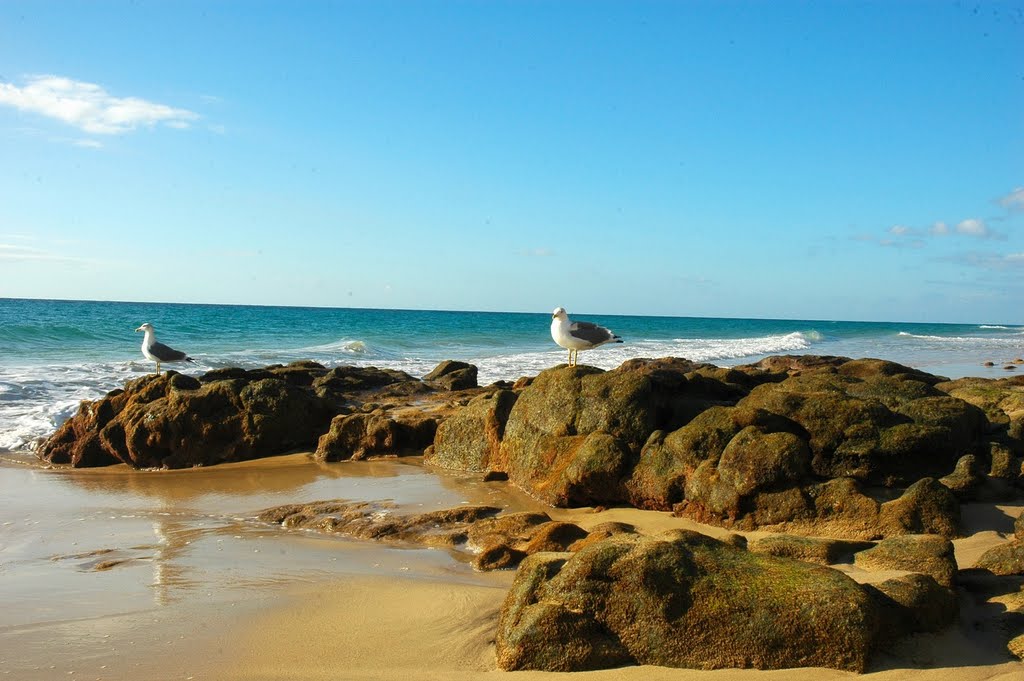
(926, 554)
(470, 439)
(1004, 559)
(913, 604)
(175, 421)
(569, 415)
(926, 507)
(811, 549)
(681, 600)
(452, 375)
(359, 435)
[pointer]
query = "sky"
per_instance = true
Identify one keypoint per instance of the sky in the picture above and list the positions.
(791, 160)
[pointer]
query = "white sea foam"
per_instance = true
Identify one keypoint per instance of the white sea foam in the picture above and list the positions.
(712, 350)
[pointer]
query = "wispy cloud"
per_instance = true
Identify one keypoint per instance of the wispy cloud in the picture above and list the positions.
(89, 107)
(25, 253)
(537, 253)
(992, 261)
(18, 253)
(974, 227)
(1014, 201)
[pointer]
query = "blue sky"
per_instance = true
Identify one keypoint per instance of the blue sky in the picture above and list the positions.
(831, 160)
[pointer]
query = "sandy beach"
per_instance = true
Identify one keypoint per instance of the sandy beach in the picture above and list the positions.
(121, 574)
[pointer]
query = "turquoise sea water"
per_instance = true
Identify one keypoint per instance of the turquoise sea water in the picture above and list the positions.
(55, 353)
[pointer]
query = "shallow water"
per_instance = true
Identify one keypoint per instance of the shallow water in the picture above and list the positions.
(104, 570)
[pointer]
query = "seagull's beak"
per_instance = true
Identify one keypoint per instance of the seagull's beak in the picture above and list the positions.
(138, 329)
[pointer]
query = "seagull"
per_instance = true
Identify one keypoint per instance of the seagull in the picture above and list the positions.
(158, 352)
(576, 336)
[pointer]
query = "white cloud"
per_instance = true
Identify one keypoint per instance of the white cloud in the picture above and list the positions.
(900, 230)
(939, 229)
(537, 253)
(973, 227)
(89, 107)
(1014, 201)
(993, 261)
(22, 253)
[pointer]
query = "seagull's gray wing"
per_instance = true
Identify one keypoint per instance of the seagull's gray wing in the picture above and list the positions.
(166, 354)
(591, 333)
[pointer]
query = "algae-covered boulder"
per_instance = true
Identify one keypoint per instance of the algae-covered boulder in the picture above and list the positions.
(357, 436)
(811, 549)
(470, 439)
(923, 553)
(452, 375)
(1002, 400)
(911, 604)
(681, 600)
(174, 421)
(574, 432)
(926, 507)
(1004, 559)
(878, 428)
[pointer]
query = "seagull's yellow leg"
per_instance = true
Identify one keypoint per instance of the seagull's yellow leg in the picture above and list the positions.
(158, 367)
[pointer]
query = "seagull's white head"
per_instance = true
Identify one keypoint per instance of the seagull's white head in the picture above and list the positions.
(559, 313)
(147, 328)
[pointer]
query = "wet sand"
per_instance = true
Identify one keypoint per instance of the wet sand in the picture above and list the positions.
(121, 574)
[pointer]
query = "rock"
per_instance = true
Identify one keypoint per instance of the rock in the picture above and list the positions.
(1003, 464)
(498, 557)
(810, 549)
(175, 421)
(1016, 646)
(681, 600)
(1002, 401)
(470, 439)
(505, 540)
(574, 432)
(913, 604)
(884, 429)
(1004, 559)
(926, 507)
(380, 521)
(1018, 528)
(452, 375)
(965, 479)
(357, 436)
(926, 554)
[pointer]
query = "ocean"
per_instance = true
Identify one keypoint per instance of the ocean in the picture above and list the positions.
(55, 353)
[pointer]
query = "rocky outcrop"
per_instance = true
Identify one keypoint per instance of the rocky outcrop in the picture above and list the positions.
(1007, 558)
(912, 604)
(925, 554)
(810, 549)
(496, 541)
(174, 421)
(452, 375)
(1002, 401)
(685, 600)
(358, 436)
(789, 443)
(380, 520)
(470, 440)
